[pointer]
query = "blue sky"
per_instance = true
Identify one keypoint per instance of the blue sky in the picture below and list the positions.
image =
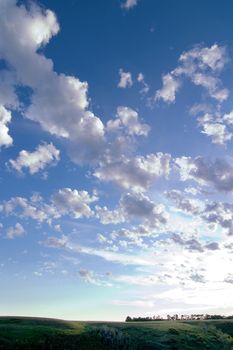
(116, 129)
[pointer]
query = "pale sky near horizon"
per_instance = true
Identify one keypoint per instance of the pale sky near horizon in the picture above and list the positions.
(116, 134)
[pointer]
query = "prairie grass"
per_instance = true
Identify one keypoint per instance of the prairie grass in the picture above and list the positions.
(21, 333)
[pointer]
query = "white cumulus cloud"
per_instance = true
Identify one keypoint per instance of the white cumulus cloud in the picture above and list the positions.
(202, 66)
(74, 202)
(217, 173)
(125, 79)
(127, 118)
(137, 173)
(15, 231)
(170, 86)
(58, 102)
(128, 4)
(5, 118)
(45, 154)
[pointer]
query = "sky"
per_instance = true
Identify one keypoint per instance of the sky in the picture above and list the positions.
(116, 134)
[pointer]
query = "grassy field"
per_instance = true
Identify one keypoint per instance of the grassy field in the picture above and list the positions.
(36, 333)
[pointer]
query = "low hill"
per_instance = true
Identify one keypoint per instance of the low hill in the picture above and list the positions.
(23, 333)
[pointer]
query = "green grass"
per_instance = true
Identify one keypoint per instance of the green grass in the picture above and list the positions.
(41, 334)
